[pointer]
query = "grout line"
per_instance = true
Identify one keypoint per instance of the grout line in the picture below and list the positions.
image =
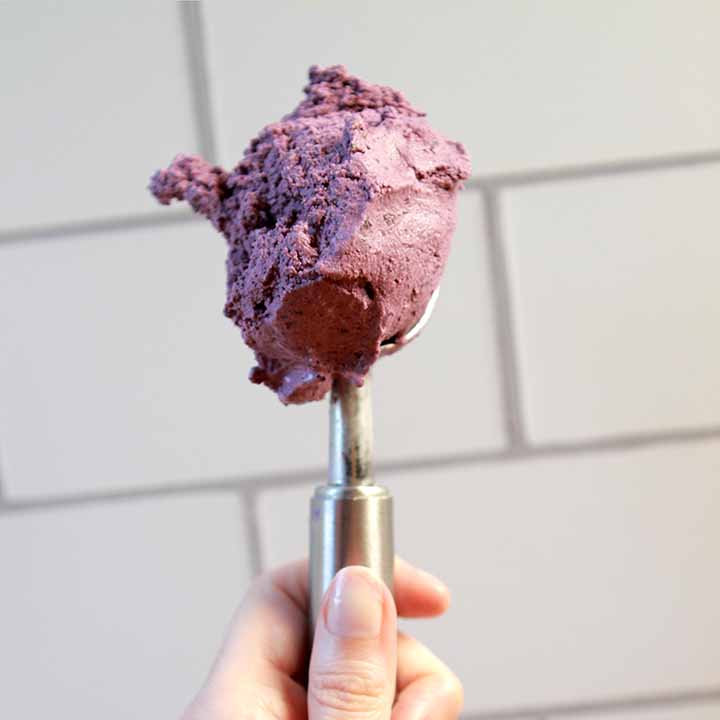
(191, 19)
(485, 183)
(294, 478)
(63, 230)
(609, 707)
(578, 172)
(248, 499)
(232, 483)
(504, 324)
(607, 444)
(629, 441)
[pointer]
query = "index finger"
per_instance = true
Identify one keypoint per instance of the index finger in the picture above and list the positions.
(269, 630)
(417, 593)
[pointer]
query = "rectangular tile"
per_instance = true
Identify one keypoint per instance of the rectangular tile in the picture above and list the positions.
(616, 302)
(573, 579)
(439, 396)
(119, 370)
(106, 610)
(523, 85)
(95, 98)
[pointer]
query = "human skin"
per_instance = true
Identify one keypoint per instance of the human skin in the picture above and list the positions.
(360, 666)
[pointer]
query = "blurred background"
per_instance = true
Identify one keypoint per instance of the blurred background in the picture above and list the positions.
(553, 441)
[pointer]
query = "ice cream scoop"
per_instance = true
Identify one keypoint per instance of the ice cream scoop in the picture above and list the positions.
(338, 221)
(351, 518)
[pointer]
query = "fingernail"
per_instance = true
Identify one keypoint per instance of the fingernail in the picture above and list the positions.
(355, 608)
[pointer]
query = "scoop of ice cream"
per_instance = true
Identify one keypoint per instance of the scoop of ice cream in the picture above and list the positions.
(338, 221)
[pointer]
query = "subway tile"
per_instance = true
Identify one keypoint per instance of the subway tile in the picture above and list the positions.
(685, 712)
(574, 578)
(522, 85)
(119, 370)
(439, 396)
(116, 611)
(95, 97)
(615, 296)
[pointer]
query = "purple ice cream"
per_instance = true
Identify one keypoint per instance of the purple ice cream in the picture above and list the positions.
(338, 221)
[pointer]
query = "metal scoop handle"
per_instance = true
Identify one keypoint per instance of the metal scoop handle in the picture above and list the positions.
(351, 518)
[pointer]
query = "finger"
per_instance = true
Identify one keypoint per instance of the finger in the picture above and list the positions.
(265, 647)
(270, 626)
(427, 688)
(353, 662)
(418, 593)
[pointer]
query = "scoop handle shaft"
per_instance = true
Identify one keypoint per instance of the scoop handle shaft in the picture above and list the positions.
(351, 518)
(349, 526)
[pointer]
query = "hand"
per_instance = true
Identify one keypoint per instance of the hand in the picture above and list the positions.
(358, 656)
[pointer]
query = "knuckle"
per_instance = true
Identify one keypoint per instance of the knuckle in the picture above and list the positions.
(270, 707)
(242, 703)
(452, 689)
(253, 709)
(199, 709)
(350, 687)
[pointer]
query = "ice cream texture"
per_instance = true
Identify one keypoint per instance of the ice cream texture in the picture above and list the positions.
(338, 221)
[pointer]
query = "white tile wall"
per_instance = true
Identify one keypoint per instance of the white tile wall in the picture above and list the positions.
(178, 407)
(116, 612)
(581, 579)
(440, 395)
(120, 369)
(522, 84)
(572, 578)
(616, 301)
(95, 97)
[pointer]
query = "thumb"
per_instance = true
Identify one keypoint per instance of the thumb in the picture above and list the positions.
(354, 656)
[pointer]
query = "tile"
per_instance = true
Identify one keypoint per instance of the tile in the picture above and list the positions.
(119, 370)
(523, 85)
(136, 363)
(96, 97)
(685, 712)
(106, 607)
(615, 295)
(574, 579)
(440, 396)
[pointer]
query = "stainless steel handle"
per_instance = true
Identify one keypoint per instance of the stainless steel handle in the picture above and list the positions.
(351, 518)
(349, 526)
